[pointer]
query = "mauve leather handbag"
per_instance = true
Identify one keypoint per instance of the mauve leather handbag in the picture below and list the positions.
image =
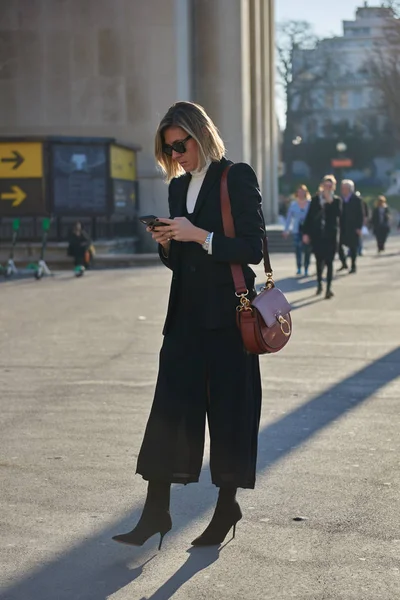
(264, 322)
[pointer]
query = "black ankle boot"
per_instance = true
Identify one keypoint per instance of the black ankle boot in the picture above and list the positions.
(226, 515)
(155, 518)
(329, 294)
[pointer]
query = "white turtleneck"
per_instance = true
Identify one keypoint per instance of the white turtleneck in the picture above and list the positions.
(193, 193)
(194, 187)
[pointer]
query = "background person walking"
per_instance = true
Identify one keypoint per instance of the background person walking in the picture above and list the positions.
(364, 230)
(352, 220)
(381, 223)
(321, 230)
(296, 216)
(79, 248)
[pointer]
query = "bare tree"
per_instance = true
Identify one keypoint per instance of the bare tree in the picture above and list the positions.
(292, 36)
(303, 61)
(385, 69)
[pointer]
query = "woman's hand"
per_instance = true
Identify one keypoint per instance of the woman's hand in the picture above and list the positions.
(161, 236)
(306, 239)
(182, 230)
(328, 196)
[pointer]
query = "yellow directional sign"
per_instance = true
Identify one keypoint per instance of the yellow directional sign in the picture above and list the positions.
(22, 198)
(122, 163)
(21, 160)
(17, 195)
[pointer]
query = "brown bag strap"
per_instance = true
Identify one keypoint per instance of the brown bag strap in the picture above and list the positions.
(229, 230)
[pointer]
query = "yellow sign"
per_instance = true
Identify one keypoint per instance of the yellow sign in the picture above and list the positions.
(21, 160)
(122, 163)
(17, 195)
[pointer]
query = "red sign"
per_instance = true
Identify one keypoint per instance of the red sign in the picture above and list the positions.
(342, 162)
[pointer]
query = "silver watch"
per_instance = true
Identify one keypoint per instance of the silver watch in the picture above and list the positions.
(207, 241)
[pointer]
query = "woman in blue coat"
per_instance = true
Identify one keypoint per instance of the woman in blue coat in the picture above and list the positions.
(296, 216)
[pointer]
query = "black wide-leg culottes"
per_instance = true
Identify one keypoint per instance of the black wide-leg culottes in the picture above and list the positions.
(203, 373)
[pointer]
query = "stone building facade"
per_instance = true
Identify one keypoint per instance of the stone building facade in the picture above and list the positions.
(111, 68)
(342, 89)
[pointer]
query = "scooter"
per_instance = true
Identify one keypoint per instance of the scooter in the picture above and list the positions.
(41, 268)
(10, 268)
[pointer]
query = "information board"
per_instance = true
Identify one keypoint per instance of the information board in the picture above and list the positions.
(124, 197)
(122, 163)
(79, 178)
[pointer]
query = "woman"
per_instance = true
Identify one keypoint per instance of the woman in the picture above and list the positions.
(321, 229)
(381, 223)
(203, 369)
(79, 247)
(297, 213)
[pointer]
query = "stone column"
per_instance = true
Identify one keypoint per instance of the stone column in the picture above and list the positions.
(257, 87)
(221, 68)
(270, 124)
(234, 81)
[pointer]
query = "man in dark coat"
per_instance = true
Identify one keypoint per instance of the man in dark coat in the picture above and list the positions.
(351, 224)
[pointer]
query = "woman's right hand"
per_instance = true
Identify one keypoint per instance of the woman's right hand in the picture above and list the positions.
(306, 239)
(160, 236)
(328, 196)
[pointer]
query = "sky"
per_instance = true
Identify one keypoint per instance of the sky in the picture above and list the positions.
(326, 16)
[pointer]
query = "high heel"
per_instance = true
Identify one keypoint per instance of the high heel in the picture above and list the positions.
(155, 517)
(148, 526)
(221, 523)
(161, 540)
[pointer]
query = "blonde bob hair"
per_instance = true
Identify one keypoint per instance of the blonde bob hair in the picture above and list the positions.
(305, 189)
(195, 121)
(331, 178)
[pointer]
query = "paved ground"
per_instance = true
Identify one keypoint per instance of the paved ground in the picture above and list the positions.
(78, 361)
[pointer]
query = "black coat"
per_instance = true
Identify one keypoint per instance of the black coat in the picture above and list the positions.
(78, 244)
(212, 273)
(203, 367)
(352, 220)
(377, 224)
(322, 225)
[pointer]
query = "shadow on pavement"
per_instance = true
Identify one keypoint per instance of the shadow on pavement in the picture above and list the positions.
(304, 422)
(199, 559)
(96, 568)
(307, 301)
(293, 284)
(386, 255)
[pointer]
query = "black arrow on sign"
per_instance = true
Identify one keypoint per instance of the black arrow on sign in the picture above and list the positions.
(17, 159)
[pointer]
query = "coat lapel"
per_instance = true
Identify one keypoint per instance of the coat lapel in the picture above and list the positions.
(179, 204)
(213, 174)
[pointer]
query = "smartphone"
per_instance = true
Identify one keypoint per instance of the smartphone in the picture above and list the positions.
(151, 221)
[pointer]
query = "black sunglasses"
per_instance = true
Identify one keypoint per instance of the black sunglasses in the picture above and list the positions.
(179, 147)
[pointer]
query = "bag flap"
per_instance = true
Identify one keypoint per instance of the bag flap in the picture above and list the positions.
(271, 304)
